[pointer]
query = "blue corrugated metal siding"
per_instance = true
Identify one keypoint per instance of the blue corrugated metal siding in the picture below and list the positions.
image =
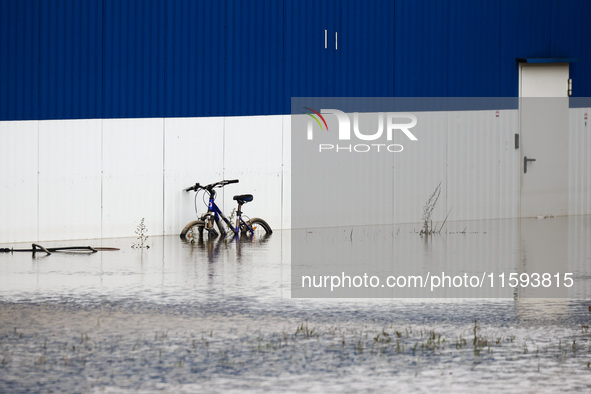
(70, 68)
(153, 58)
(195, 58)
(133, 56)
(421, 49)
(571, 29)
(357, 62)
(365, 56)
(254, 57)
(19, 59)
(525, 33)
(473, 48)
(308, 62)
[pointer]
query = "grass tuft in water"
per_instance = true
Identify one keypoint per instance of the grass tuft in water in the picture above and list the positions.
(142, 236)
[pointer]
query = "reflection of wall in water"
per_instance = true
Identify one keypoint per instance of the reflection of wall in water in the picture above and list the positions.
(555, 245)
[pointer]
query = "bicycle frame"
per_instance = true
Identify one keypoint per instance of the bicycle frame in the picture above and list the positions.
(218, 214)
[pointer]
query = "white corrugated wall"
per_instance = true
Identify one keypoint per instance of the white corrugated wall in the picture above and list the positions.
(579, 161)
(74, 179)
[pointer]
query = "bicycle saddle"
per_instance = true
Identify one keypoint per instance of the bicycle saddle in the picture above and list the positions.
(243, 198)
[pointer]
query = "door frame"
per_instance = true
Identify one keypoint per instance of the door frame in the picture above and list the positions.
(545, 82)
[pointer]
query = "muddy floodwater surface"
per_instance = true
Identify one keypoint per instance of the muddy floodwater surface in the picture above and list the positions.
(218, 316)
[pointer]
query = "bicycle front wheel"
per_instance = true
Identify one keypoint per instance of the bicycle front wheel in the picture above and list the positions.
(192, 230)
(259, 226)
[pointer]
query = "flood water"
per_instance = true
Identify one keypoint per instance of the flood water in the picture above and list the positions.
(217, 316)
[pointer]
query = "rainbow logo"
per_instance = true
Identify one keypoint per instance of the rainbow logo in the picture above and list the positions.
(315, 115)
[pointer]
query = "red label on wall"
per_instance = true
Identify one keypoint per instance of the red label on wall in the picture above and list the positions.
(497, 114)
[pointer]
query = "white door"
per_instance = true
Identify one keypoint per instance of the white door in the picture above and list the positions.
(543, 116)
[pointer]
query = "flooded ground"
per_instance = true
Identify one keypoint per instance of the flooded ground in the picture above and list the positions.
(217, 316)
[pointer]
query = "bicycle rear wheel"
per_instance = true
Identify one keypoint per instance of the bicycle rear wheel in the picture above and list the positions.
(260, 227)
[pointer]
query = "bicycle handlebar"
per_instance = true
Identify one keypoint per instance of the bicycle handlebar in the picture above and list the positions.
(194, 187)
(209, 187)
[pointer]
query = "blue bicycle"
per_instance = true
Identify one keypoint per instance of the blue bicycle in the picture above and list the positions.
(215, 217)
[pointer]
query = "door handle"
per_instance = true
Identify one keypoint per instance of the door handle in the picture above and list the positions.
(525, 160)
